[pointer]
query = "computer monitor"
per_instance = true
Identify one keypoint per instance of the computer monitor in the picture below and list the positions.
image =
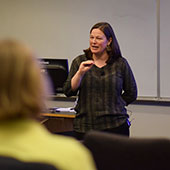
(57, 70)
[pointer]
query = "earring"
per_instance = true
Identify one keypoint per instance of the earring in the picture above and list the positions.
(108, 48)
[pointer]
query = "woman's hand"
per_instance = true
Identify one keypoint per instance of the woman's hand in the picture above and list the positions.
(83, 68)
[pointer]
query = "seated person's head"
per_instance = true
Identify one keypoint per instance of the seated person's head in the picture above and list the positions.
(21, 84)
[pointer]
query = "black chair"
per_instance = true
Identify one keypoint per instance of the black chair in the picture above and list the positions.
(115, 152)
(9, 163)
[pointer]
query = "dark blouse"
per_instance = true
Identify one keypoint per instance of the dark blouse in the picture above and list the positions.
(103, 94)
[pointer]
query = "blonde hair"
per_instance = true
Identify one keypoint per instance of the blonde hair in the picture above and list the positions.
(21, 85)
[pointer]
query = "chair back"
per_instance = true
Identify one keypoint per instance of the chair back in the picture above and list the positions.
(115, 152)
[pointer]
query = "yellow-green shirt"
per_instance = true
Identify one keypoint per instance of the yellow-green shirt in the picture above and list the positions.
(28, 140)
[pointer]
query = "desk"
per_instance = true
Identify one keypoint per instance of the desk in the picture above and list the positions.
(57, 123)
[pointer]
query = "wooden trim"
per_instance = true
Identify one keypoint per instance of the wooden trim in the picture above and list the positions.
(51, 115)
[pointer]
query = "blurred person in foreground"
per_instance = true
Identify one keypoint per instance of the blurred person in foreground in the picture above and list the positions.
(22, 98)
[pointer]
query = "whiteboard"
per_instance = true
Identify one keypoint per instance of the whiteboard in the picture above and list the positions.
(60, 29)
(164, 48)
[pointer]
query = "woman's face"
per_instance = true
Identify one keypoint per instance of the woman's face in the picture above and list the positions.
(98, 41)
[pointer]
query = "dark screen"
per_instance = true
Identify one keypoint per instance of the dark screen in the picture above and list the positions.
(57, 70)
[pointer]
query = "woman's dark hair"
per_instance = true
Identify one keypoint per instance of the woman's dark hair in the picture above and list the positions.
(113, 50)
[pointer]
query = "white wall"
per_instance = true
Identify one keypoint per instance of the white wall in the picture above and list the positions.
(150, 121)
(60, 29)
(164, 48)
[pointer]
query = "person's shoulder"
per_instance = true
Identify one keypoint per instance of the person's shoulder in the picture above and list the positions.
(75, 151)
(70, 144)
(122, 61)
(80, 58)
